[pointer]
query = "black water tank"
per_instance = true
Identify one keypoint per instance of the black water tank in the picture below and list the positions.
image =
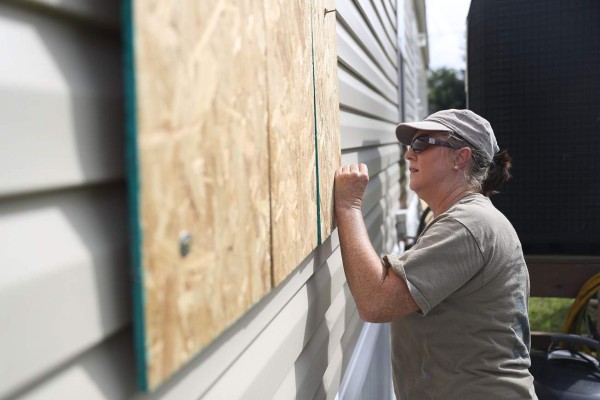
(533, 70)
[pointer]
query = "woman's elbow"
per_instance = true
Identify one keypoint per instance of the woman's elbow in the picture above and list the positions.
(373, 315)
(382, 314)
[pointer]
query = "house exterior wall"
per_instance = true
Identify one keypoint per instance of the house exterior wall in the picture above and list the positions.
(65, 281)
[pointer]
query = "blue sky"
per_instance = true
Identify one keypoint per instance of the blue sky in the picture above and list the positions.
(446, 25)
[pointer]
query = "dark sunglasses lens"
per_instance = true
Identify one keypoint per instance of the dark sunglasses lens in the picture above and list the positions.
(419, 144)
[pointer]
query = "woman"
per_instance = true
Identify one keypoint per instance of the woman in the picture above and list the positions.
(457, 300)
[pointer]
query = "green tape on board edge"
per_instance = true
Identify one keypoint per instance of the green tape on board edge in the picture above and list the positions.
(133, 185)
(314, 82)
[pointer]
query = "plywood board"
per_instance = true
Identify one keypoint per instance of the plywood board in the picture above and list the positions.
(327, 109)
(223, 159)
(203, 170)
(291, 134)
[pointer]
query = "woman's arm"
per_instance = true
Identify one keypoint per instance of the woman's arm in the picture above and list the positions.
(380, 294)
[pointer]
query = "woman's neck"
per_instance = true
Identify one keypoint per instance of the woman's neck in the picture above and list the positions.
(441, 204)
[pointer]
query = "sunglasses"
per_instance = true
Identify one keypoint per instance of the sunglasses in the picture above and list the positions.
(421, 142)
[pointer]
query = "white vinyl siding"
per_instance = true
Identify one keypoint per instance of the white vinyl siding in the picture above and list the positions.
(415, 77)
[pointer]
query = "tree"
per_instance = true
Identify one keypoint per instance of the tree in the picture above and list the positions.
(446, 89)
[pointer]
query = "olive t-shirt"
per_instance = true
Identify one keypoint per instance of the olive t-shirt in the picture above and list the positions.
(471, 338)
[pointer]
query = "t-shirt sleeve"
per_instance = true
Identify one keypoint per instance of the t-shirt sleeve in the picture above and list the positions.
(444, 258)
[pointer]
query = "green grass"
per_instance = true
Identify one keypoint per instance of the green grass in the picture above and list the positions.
(548, 314)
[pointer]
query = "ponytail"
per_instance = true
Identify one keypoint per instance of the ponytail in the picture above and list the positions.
(483, 176)
(498, 173)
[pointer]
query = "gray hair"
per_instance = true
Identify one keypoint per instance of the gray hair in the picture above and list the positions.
(478, 168)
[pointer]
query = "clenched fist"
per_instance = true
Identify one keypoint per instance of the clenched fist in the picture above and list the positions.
(350, 184)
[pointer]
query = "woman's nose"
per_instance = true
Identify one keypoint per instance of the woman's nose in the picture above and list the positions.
(410, 154)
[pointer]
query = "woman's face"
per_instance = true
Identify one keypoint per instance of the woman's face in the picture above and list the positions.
(431, 168)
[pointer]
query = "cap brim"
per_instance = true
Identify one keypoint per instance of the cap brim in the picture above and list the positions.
(406, 130)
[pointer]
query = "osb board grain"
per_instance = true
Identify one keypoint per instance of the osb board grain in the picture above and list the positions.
(203, 168)
(291, 134)
(327, 108)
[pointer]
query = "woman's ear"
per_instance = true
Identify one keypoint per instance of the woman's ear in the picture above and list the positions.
(463, 155)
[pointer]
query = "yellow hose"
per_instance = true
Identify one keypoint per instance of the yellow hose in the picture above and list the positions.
(578, 309)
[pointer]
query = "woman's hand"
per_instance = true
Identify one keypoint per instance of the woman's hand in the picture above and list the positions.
(350, 184)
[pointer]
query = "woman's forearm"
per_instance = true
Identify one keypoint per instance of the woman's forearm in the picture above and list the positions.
(364, 270)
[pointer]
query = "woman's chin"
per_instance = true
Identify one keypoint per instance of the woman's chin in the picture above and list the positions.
(413, 185)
